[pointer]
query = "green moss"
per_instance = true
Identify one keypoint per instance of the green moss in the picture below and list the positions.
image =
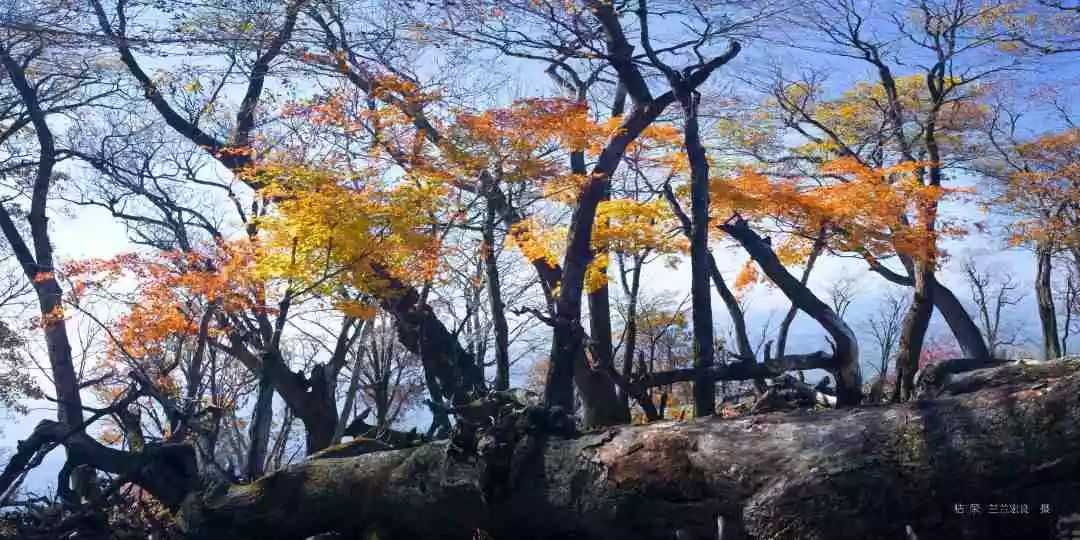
(908, 443)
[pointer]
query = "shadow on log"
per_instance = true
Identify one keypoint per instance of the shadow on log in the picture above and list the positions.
(1012, 438)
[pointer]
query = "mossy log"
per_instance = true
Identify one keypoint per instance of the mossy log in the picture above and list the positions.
(1012, 437)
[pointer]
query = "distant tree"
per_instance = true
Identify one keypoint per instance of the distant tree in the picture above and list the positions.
(994, 294)
(883, 325)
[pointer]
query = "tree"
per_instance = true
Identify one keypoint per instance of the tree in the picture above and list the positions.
(664, 464)
(884, 328)
(340, 211)
(915, 122)
(389, 376)
(992, 293)
(1035, 181)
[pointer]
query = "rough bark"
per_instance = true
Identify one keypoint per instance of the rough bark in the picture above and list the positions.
(1012, 436)
(912, 334)
(1044, 296)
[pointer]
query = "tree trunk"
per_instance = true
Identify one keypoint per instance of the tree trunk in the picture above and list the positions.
(567, 344)
(846, 370)
(912, 334)
(629, 339)
(498, 308)
(1044, 295)
(38, 264)
(319, 413)
(354, 381)
(738, 320)
(700, 293)
(1013, 436)
(261, 417)
(961, 324)
(420, 331)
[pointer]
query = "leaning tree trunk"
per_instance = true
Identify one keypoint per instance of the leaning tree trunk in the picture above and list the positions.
(1004, 435)
(961, 324)
(845, 365)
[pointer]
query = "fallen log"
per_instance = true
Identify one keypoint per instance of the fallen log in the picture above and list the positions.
(1013, 439)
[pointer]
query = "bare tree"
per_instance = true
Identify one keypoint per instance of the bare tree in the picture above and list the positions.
(993, 293)
(391, 377)
(884, 326)
(841, 293)
(1069, 295)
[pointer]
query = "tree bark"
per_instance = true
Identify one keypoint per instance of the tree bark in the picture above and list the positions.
(1044, 296)
(568, 346)
(261, 417)
(846, 369)
(422, 333)
(1012, 435)
(498, 308)
(629, 338)
(961, 324)
(912, 334)
(700, 293)
(354, 380)
(36, 261)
